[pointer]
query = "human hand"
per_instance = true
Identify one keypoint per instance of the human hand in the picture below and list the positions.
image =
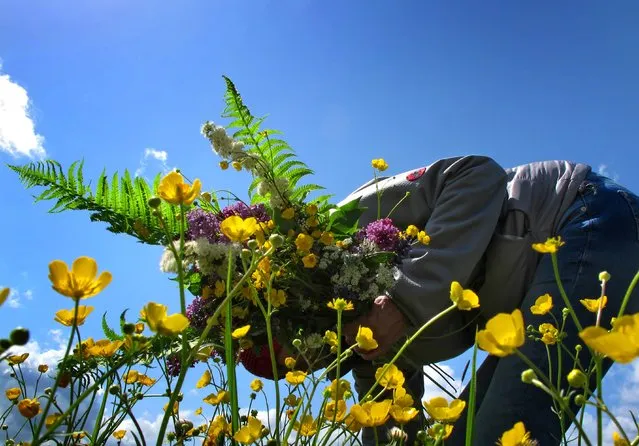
(387, 323)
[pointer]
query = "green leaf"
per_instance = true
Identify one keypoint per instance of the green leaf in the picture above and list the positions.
(379, 258)
(345, 219)
(108, 331)
(123, 320)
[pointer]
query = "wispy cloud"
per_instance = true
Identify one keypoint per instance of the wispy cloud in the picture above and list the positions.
(154, 155)
(18, 136)
(15, 297)
(604, 170)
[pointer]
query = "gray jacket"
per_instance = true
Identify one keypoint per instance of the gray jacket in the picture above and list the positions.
(482, 220)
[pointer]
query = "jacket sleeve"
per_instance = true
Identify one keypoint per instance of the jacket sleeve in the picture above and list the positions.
(458, 201)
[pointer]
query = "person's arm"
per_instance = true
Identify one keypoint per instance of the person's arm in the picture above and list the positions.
(458, 202)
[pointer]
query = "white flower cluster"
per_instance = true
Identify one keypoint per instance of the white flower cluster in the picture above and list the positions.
(278, 191)
(330, 256)
(350, 274)
(168, 263)
(225, 146)
(208, 257)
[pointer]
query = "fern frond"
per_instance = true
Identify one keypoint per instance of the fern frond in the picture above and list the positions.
(121, 202)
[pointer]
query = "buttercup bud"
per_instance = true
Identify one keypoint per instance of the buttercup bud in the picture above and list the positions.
(578, 348)
(19, 336)
(128, 329)
(10, 442)
(580, 400)
(577, 379)
(114, 389)
(422, 436)
(271, 442)
(527, 376)
(265, 431)
(604, 276)
(254, 413)
(297, 343)
(206, 197)
(5, 427)
(170, 436)
(252, 244)
(276, 240)
(154, 202)
(48, 391)
(246, 254)
(5, 344)
(243, 419)
(180, 397)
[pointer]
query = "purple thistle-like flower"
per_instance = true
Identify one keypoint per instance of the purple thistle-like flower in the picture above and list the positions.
(203, 224)
(198, 312)
(242, 210)
(384, 233)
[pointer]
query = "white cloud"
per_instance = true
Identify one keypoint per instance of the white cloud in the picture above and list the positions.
(160, 156)
(431, 390)
(15, 297)
(18, 136)
(603, 170)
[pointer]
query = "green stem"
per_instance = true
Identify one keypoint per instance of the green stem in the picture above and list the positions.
(228, 349)
(599, 372)
(470, 420)
(98, 420)
(407, 343)
(57, 380)
(562, 291)
(406, 195)
(632, 286)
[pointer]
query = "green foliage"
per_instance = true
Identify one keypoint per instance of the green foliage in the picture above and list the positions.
(121, 202)
(280, 157)
(109, 333)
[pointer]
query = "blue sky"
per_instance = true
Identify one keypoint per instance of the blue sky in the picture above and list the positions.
(111, 81)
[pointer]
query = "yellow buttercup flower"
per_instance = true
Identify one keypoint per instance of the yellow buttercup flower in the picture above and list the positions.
(365, 340)
(277, 298)
(17, 359)
(4, 294)
(288, 213)
(401, 397)
(29, 408)
(371, 413)
(549, 333)
(218, 426)
(289, 362)
(291, 400)
(592, 305)
(236, 165)
(307, 426)
(464, 299)
(310, 260)
(441, 411)
(80, 282)
(216, 398)
(503, 334)
(379, 164)
(257, 385)
(412, 231)
(326, 238)
(618, 440)
(620, 344)
(220, 288)
(131, 376)
(224, 165)
(330, 337)
(65, 317)
(340, 387)
(340, 304)
(51, 419)
(440, 431)
(13, 393)
(204, 380)
(295, 377)
(517, 436)
(159, 322)
(403, 414)
(543, 304)
(239, 333)
(174, 190)
(119, 435)
(304, 242)
(145, 380)
(391, 378)
(43, 368)
(352, 424)
(238, 229)
(104, 348)
(550, 246)
(423, 238)
(251, 432)
(335, 410)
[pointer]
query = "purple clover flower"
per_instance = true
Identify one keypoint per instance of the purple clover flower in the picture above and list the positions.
(198, 312)
(384, 233)
(242, 210)
(203, 224)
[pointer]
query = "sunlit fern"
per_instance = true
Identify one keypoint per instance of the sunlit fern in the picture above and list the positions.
(120, 202)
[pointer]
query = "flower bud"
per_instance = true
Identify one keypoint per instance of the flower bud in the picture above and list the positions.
(10, 442)
(565, 312)
(5, 344)
(577, 379)
(243, 418)
(297, 343)
(265, 431)
(114, 389)
(139, 396)
(580, 400)
(276, 240)
(347, 394)
(19, 336)
(246, 254)
(196, 432)
(253, 395)
(154, 202)
(604, 276)
(48, 391)
(422, 436)
(180, 397)
(252, 244)
(128, 328)
(254, 413)
(578, 348)
(527, 376)
(170, 436)
(206, 197)
(272, 442)
(5, 427)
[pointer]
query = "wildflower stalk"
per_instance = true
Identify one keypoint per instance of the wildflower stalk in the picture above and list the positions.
(632, 286)
(407, 343)
(562, 291)
(406, 195)
(228, 348)
(337, 366)
(470, 420)
(547, 386)
(98, 420)
(57, 380)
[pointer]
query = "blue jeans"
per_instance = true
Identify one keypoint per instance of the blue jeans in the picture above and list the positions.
(601, 232)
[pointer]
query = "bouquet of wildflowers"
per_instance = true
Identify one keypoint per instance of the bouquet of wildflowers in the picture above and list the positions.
(317, 252)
